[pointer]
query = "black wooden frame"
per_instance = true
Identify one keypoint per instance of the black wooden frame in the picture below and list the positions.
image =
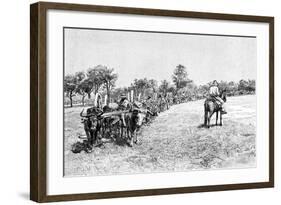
(38, 95)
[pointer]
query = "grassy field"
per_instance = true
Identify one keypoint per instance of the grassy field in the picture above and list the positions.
(174, 141)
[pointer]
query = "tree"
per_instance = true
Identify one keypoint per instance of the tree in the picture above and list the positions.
(84, 88)
(232, 88)
(242, 86)
(164, 86)
(172, 90)
(108, 77)
(153, 84)
(79, 78)
(192, 91)
(139, 85)
(203, 91)
(69, 86)
(247, 86)
(180, 77)
(95, 78)
(251, 85)
(223, 86)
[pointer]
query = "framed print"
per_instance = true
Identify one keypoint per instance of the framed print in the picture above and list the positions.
(134, 102)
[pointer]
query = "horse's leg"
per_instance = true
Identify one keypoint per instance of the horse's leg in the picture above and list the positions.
(220, 119)
(205, 116)
(217, 113)
(210, 116)
(208, 119)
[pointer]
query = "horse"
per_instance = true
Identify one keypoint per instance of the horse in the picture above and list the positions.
(211, 107)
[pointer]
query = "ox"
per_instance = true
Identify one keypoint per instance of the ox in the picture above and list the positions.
(92, 125)
(133, 122)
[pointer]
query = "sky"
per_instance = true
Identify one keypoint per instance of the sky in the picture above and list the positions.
(155, 55)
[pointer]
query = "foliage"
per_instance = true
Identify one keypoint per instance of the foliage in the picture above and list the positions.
(140, 85)
(144, 87)
(153, 84)
(108, 78)
(180, 77)
(95, 78)
(164, 87)
(69, 86)
(102, 79)
(247, 85)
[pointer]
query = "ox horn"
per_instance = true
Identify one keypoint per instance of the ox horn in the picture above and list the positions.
(89, 115)
(81, 113)
(149, 112)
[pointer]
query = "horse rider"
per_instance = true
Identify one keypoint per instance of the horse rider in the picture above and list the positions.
(214, 93)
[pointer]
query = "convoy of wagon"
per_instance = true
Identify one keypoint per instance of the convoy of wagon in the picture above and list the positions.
(121, 120)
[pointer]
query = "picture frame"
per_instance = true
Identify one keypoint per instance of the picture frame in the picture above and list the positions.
(39, 170)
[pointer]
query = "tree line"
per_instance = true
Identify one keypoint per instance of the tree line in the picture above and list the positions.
(103, 79)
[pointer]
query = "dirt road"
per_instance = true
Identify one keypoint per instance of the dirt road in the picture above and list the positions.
(175, 141)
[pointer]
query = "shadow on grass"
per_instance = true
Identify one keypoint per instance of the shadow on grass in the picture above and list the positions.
(121, 141)
(203, 126)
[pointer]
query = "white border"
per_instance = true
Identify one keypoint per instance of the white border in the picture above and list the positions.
(57, 184)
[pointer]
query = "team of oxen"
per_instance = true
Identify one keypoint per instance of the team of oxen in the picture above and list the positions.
(118, 122)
